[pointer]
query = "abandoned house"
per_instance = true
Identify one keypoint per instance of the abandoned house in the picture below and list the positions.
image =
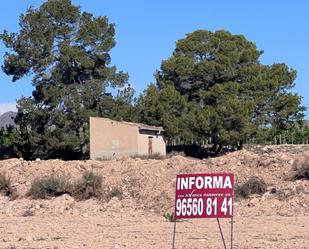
(112, 139)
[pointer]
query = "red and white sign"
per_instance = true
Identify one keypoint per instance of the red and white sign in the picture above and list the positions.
(204, 195)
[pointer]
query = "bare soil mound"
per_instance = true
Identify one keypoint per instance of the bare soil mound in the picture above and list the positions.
(149, 184)
(134, 219)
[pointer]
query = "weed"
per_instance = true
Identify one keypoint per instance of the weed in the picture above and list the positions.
(169, 216)
(254, 185)
(5, 185)
(115, 192)
(52, 186)
(90, 185)
(301, 172)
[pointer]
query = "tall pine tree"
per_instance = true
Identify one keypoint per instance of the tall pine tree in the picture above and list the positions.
(230, 94)
(66, 51)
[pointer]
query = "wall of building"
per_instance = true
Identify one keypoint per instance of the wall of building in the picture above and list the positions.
(111, 139)
(158, 144)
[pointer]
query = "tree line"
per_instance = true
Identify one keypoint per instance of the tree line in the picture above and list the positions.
(212, 88)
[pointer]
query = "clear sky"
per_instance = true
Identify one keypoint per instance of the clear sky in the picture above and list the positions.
(146, 32)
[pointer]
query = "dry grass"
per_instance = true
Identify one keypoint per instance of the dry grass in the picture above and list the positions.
(52, 186)
(301, 170)
(90, 185)
(5, 185)
(115, 192)
(254, 185)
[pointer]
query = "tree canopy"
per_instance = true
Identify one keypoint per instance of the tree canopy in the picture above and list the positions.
(228, 93)
(66, 51)
(213, 87)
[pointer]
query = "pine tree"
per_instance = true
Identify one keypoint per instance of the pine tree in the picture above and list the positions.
(229, 94)
(66, 51)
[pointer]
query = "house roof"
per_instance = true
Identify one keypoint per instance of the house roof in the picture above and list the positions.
(139, 125)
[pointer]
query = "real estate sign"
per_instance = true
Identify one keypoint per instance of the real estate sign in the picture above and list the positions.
(204, 196)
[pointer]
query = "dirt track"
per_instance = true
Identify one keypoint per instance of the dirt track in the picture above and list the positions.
(277, 219)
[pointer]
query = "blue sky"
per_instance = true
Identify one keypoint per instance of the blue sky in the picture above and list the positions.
(146, 32)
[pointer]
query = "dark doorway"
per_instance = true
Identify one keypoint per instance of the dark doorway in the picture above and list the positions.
(149, 146)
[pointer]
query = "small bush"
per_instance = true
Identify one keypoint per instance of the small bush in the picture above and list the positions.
(169, 216)
(301, 172)
(254, 185)
(115, 192)
(90, 185)
(5, 185)
(52, 186)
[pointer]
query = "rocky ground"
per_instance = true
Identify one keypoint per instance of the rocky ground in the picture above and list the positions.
(276, 219)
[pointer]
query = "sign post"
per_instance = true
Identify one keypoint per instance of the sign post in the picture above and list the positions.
(204, 196)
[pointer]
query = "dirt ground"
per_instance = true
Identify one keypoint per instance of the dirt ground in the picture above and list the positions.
(140, 231)
(277, 219)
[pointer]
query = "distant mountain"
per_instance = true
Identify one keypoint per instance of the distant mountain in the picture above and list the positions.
(7, 119)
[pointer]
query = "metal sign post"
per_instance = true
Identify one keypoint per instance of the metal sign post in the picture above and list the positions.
(222, 237)
(232, 227)
(174, 234)
(204, 196)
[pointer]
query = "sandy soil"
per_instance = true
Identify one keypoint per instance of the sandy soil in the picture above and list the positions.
(277, 219)
(140, 230)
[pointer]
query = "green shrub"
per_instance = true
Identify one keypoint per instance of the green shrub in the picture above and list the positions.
(254, 185)
(169, 216)
(52, 186)
(5, 185)
(90, 185)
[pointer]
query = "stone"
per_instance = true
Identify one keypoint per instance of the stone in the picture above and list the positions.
(265, 196)
(29, 238)
(253, 202)
(265, 149)
(8, 239)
